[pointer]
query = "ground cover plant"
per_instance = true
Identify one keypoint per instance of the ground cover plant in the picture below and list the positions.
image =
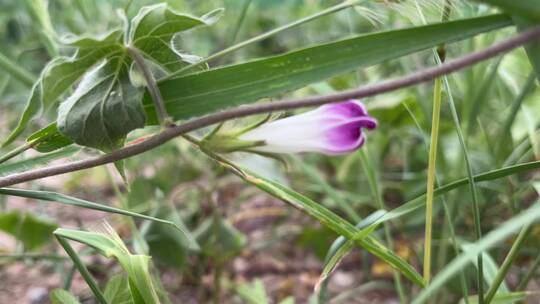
(258, 151)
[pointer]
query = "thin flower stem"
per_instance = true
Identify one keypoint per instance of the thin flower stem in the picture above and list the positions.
(82, 269)
(247, 110)
(431, 178)
(345, 4)
(16, 71)
(163, 116)
(508, 261)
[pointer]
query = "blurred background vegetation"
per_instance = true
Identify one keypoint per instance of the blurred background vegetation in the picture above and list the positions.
(247, 237)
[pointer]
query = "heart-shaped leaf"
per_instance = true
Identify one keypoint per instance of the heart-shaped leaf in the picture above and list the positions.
(104, 107)
(153, 29)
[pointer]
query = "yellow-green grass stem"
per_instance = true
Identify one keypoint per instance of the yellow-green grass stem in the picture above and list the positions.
(437, 98)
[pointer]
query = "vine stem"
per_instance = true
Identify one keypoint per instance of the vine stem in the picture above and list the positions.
(163, 117)
(243, 111)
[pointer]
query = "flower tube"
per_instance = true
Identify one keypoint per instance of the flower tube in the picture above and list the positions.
(330, 129)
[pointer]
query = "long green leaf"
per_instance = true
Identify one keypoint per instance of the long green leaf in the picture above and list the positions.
(29, 163)
(213, 90)
(73, 201)
(496, 236)
(419, 202)
(334, 222)
(110, 245)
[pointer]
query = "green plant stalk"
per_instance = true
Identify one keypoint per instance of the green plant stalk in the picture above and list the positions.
(47, 33)
(447, 211)
(345, 4)
(471, 182)
(508, 261)
(11, 154)
(241, 19)
(82, 269)
(373, 185)
(440, 56)
(16, 71)
(530, 274)
(431, 178)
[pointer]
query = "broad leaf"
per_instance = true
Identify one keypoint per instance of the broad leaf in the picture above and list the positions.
(253, 293)
(153, 29)
(117, 290)
(62, 73)
(166, 243)
(48, 139)
(219, 239)
(27, 228)
(103, 108)
(61, 296)
(110, 245)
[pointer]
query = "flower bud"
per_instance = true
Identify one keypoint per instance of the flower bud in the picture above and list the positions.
(330, 129)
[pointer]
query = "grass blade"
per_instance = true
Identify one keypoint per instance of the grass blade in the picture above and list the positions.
(73, 201)
(216, 89)
(82, 269)
(419, 202)
(526, 218)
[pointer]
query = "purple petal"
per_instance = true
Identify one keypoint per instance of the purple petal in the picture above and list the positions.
(347, 136)
(346, 109)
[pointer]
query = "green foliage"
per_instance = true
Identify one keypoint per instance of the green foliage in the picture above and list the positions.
(117, 290)
(219, 239)
(92, 82)
(61, 296)
(110, 245)
(216, 89)
(106, 105)
(30, 230)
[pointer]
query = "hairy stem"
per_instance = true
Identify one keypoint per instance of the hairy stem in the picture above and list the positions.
(243, 111)
(163, 116)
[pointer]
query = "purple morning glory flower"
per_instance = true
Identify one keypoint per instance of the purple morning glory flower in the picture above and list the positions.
(330, 129)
